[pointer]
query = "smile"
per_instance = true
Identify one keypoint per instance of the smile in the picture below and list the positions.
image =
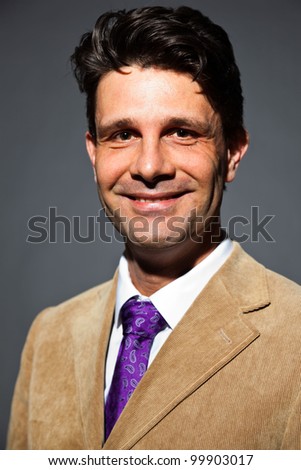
(154, 198)
(146, 203)
(140, 199)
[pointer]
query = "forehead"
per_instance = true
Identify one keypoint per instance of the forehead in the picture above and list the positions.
(150, 93)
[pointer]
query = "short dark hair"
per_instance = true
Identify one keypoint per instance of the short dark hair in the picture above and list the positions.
(181, 39)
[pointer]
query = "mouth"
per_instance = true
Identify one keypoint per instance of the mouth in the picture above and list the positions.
(154, 198)
(155, 203)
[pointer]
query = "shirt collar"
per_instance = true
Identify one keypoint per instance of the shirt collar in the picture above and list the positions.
(174, 299)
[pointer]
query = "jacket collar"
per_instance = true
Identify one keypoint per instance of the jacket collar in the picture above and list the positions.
(245, 280)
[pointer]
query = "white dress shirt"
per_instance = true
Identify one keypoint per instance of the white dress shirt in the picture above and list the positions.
(172, 301)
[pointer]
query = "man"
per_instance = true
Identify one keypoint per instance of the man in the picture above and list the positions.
(193, 344)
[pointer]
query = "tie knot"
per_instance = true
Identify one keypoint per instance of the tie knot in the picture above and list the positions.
(141, 318)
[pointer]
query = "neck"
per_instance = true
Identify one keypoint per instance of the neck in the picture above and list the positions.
(152, 269)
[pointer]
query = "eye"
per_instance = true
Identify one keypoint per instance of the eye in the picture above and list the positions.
(185, 136)
(183, 133)
(123, 136)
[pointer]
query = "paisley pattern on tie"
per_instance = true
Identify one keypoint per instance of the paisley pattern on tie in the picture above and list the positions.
(141, 322)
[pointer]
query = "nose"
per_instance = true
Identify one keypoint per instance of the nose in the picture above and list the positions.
(151, 163)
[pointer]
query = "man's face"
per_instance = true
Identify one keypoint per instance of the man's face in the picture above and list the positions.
(160, 160)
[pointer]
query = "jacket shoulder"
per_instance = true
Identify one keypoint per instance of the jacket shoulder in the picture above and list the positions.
(81, 306)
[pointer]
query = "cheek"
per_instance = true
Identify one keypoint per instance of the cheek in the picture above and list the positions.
(205, 169)
(108, 171)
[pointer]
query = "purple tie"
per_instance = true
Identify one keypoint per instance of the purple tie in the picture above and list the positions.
(141, 322)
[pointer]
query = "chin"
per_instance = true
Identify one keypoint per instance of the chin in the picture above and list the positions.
(154, 241)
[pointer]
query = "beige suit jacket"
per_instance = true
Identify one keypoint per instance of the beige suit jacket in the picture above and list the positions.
(228, 377)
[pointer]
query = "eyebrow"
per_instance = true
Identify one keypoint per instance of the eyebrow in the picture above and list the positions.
(206, 128)
(113, 126)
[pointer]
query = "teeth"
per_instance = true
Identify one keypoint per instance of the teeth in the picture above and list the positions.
(150, 200)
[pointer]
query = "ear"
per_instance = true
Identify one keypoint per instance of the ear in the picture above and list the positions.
(91, 149)
(234, 155)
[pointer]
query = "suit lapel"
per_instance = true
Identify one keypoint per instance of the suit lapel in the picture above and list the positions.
(213, 331)
(90, 338)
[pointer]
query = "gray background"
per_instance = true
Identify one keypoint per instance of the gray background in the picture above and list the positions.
(44, 163)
